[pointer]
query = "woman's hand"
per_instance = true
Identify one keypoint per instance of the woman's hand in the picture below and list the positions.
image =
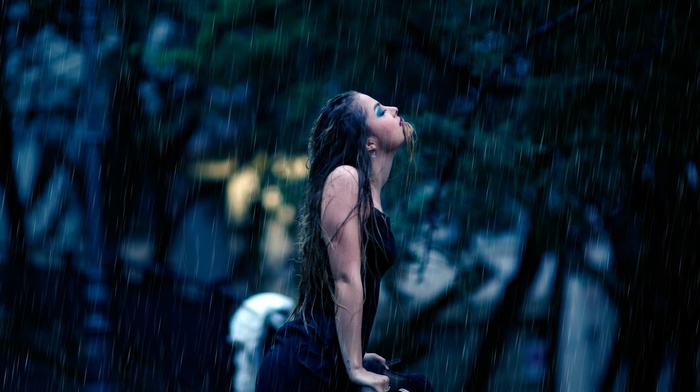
(376, 358)
(374, 381)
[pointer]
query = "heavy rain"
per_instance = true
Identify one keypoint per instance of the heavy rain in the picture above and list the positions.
(153, 165)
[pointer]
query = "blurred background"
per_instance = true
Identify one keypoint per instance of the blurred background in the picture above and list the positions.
(152, 166)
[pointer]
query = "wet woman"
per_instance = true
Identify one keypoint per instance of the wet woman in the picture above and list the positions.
(346, 246)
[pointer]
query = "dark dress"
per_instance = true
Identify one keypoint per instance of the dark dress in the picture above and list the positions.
(308, 358)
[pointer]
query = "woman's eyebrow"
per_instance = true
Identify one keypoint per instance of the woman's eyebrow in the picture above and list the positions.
(376, 105)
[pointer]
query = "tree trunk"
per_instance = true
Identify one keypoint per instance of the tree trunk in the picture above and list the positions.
(14, 276)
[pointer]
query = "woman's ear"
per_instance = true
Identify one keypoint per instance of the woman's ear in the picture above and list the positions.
(371, 145)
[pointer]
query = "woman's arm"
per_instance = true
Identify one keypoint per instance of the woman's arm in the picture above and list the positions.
(340, 220)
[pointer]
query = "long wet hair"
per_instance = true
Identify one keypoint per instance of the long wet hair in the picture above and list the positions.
(338, 138)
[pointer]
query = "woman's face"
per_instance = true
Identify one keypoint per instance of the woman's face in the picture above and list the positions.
(385, 126)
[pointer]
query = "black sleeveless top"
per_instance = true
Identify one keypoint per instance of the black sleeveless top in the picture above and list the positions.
(315, 345)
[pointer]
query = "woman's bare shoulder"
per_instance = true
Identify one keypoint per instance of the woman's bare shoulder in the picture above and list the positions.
(340, 194)
(344, 175)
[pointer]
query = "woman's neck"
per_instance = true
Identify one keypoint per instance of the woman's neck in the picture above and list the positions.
(381, 168)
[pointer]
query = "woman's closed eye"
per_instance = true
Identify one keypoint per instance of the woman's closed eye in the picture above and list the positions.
(380, 111)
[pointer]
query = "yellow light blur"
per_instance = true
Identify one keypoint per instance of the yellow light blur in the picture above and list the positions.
(242, 188)
(286, 214)
(271, 197)
(290, 168)
(213, 170)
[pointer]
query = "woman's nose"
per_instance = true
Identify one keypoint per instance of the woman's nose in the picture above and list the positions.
(395, 110)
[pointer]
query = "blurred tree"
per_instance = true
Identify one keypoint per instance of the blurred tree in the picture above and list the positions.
(561, 108)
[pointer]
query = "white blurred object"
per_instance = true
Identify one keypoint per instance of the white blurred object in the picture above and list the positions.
(587, 334)
(540, 291)
(247, 331)
(422, 284)
(501, 255)
(598, 253)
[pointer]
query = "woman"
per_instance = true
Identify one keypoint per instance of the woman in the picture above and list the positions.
(346, 247)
